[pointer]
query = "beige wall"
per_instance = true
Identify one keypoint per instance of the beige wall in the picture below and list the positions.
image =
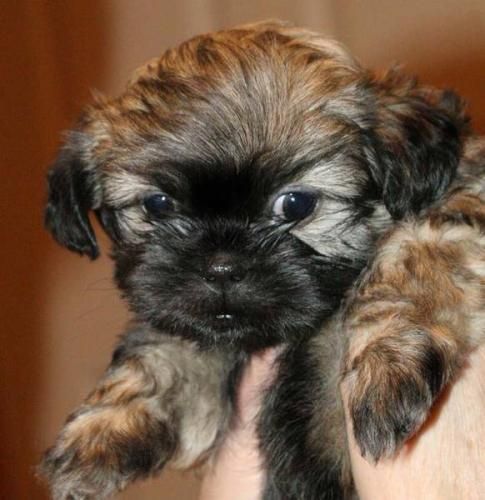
(60, 313)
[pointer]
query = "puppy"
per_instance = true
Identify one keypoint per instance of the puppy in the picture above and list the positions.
(244, 179)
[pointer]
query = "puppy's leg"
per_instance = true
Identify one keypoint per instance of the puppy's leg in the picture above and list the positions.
(301, 426)
(417, 314)
(160, 400)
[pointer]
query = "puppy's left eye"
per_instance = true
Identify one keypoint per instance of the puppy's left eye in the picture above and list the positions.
(158, 204)
(295, 206)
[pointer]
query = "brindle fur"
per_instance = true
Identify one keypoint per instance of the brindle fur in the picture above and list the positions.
(418, 313)
(223, 124)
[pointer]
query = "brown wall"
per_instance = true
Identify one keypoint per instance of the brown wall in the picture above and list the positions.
(60, 313)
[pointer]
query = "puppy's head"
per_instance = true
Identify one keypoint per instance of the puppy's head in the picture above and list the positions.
(244, 176)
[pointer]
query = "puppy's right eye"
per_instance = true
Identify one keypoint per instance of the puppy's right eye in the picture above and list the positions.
(158, 204)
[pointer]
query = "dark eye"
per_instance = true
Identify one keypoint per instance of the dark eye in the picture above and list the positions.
(158, 204)
(295, 206)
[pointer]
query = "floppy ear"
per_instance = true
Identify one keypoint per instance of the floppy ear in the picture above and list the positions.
(70, 198)
(420, 132)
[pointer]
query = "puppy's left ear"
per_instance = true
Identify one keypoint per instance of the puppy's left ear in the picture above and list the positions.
(71, 195)
(419, 132)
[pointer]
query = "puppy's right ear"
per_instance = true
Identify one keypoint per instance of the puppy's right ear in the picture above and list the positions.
(70, 198)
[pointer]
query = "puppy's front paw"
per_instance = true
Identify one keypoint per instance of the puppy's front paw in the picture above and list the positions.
(101, 449)
(392, 385)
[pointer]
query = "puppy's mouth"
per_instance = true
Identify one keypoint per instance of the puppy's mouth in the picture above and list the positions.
(223, 313)
(225, 317)
(224, 322)
(226, 314)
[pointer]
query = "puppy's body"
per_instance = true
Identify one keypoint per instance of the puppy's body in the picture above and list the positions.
(244, 179)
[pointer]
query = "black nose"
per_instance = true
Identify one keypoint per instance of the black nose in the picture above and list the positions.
(224, 269)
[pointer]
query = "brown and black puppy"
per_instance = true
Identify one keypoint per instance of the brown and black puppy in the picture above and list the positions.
(244, 179)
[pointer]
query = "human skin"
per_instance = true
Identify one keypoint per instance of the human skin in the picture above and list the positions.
(444, 461)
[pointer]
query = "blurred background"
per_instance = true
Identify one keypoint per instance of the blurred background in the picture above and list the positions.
(60, 314)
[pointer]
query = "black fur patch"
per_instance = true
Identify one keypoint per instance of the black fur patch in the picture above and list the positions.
(295, 470)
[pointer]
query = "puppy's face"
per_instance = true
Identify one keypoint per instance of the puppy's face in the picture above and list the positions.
(243, 178)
